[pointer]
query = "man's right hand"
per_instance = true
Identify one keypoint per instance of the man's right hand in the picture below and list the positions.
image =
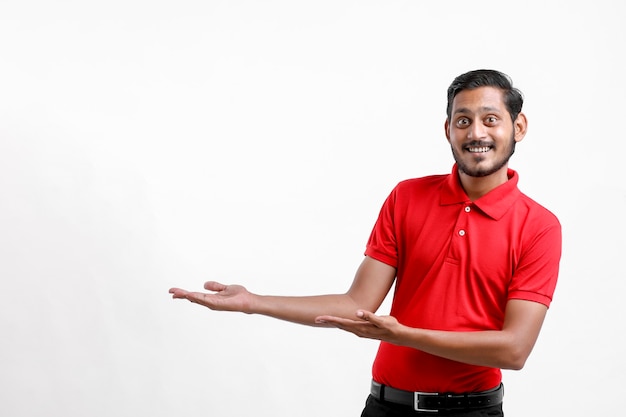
(223, 298)
(368, 290)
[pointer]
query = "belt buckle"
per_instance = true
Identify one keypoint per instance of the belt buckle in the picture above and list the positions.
(416, 402)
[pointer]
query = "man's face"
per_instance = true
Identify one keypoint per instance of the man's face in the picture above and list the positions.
(481, 133)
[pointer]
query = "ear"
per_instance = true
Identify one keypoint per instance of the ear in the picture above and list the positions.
(446, 127)
(520, 125)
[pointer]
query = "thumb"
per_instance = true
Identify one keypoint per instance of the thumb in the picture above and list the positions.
(214, 286)
(365, 315)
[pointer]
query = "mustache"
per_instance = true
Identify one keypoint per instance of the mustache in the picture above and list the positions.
(479, 144)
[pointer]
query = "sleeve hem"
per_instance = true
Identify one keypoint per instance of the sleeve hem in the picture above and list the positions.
(530, 296)
(389, 260)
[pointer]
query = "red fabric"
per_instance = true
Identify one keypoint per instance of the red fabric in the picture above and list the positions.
(458, 263)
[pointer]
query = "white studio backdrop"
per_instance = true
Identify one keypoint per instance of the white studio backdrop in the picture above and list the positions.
(151, 144)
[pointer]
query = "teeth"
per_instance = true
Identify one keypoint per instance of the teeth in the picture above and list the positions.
(479, 150)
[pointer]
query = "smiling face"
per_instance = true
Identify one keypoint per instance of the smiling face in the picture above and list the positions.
(481, 133)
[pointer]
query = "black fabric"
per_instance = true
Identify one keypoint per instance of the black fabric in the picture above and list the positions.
(438, 402)
(377, 408)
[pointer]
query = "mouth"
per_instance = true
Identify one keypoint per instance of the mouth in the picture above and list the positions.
(478, 149)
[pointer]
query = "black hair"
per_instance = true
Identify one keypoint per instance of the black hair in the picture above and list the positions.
(513, 98)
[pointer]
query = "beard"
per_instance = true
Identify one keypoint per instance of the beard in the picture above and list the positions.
(485, 171)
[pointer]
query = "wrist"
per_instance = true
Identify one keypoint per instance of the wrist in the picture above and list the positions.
(254, 305)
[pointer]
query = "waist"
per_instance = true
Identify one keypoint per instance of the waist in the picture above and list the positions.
(434, 402)
(414, 370)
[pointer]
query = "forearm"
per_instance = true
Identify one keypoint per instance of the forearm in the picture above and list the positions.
(370, 286)
(506, 349)
(497, 349)
(303, 310)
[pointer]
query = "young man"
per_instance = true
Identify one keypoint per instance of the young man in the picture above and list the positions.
(475, 263)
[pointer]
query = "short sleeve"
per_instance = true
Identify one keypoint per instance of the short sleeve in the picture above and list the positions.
(382, 243)
(536, 274)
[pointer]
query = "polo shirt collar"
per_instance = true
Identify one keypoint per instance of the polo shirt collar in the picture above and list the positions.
(494, 204)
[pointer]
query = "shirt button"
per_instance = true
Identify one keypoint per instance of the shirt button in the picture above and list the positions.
(461, 232)
(467, 209)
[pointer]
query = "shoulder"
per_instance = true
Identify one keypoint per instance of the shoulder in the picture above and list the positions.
(422, 183)
(537, 211)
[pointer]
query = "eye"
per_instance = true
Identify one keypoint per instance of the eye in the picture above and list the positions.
(463, 122)
(490, 120)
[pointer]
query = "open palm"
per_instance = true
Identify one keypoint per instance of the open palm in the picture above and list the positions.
(223, 298)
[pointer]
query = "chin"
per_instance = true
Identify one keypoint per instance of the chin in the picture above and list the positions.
(481, 170)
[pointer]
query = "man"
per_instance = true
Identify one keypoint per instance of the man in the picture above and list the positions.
(475, 263)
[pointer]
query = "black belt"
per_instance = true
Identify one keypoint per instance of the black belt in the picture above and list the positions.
(433, 402)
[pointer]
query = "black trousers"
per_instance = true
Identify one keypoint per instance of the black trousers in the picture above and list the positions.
(376, 408)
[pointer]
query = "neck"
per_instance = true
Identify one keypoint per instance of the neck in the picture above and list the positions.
(476, 187)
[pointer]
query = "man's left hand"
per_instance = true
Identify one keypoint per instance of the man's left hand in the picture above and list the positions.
(367, 325)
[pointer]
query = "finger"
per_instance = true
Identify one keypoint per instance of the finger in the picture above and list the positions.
(178, 292)
(370, 317)
(195, 296)
(365, 315)
(214, 286)
(334, 324)
(329, 319)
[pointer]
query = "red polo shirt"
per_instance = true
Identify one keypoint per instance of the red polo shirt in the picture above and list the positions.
(458, 263)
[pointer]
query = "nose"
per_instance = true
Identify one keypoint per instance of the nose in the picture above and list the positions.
(477, 131)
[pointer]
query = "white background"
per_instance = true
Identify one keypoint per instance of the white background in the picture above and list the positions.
(151, 144)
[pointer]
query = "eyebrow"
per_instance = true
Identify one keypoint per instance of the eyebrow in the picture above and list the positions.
(487, 109)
